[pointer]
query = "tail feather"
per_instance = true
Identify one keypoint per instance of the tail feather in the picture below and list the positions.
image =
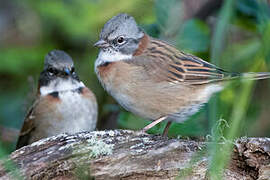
(255, 76)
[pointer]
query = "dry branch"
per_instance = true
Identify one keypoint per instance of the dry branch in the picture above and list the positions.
(122, 154)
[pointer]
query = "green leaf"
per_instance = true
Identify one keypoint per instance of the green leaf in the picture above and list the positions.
(166, 12)
(240, 56)
(194, 35)
(248, 7)
(18, 60)
(152, 29)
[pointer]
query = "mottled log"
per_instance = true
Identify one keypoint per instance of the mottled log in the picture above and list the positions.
(123, 154)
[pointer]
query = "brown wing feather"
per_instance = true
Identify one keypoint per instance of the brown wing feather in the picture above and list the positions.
(27, 128)
(168, 63)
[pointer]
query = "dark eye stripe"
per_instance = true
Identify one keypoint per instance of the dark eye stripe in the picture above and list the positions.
(52, 70)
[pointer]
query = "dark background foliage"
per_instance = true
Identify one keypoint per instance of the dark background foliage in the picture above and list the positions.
(235, 36)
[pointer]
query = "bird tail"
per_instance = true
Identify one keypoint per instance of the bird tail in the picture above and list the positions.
(255, 76)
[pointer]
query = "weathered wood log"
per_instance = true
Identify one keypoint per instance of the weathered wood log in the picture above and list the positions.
(123, 154)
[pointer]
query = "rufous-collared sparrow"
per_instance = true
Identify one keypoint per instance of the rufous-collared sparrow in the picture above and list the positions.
(153, 79)
(63, 103)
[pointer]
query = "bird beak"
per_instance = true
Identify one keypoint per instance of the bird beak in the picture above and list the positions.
(101, 44)
(67, 71)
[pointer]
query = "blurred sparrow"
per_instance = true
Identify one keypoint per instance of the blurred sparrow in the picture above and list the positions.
(63, 104)
(153, 79)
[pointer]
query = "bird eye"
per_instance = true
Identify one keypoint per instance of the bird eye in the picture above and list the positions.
(52, 71)
(120, 40)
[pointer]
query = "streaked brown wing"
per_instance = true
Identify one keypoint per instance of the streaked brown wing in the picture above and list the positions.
(27, 128)
(168, 63)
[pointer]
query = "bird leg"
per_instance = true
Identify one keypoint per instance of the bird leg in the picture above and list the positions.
(149, 126)
(166, 129)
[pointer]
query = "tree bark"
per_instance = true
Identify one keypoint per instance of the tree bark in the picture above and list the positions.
(123, 154)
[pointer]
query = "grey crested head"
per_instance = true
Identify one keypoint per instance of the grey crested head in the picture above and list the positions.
(58, 66)
(121, 24)
(58, 59)
(119, 37)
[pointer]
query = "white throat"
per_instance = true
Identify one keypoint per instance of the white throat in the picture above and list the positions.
(59, 85)
(110, 56)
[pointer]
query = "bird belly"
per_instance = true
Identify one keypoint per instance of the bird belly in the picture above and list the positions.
(151, 99)
(153, 106)
(71, 114)
(79, 113)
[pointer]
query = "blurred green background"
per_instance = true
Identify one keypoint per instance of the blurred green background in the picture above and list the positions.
(234, 36)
